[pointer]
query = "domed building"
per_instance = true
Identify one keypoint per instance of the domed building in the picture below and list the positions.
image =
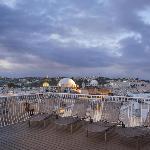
(67, 84)
(94, 83)
(45, 84)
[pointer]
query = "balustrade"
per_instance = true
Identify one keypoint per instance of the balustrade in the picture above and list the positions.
(13, 108)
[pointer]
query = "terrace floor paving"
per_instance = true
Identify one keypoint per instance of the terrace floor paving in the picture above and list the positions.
(22, 137)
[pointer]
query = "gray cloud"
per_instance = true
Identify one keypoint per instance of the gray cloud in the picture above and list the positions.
(54, 37)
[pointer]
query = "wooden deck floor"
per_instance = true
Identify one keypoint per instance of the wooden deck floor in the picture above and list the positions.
(37, 137)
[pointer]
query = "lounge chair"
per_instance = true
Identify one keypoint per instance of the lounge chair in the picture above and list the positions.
(137, 134)
(39, 118)
(109, 119)
(78, 113)
(46, 110)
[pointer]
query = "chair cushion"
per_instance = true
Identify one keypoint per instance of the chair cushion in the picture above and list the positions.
(96, 128)
(131, 132)
(67, 120)
(40, 117)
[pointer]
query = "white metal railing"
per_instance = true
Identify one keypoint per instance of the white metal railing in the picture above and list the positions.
(12, 108)
(69, 95)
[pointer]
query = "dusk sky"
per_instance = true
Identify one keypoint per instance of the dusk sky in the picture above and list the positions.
(75, 38)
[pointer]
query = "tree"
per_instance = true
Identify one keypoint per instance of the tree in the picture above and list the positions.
(11, 85)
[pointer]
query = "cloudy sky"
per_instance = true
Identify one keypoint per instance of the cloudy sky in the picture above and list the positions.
(75, 37)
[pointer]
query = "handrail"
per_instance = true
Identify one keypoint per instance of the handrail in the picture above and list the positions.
(12, 108)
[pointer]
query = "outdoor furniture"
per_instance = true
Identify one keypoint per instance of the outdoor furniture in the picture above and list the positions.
(78, 113)
(137, 134)
(109, 119)
(132, 134)
(46, 111)
(39, 118)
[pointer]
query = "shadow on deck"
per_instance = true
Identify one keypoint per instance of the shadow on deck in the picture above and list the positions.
(37, 137)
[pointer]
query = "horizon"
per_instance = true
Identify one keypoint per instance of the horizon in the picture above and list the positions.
(94, 77)
(75, 38)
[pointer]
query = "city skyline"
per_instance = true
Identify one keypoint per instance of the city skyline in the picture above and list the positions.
(75, 38)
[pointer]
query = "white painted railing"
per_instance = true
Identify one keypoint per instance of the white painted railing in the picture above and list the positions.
(12, 108)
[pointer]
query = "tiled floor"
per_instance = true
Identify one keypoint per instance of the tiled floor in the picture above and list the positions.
(37, 137)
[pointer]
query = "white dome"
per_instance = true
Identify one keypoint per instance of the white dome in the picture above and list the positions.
(66, 82)
(94, 83)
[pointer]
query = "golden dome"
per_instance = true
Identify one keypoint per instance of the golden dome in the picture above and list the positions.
(45, 84)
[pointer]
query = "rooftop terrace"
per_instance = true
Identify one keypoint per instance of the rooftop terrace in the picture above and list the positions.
(15, 134)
